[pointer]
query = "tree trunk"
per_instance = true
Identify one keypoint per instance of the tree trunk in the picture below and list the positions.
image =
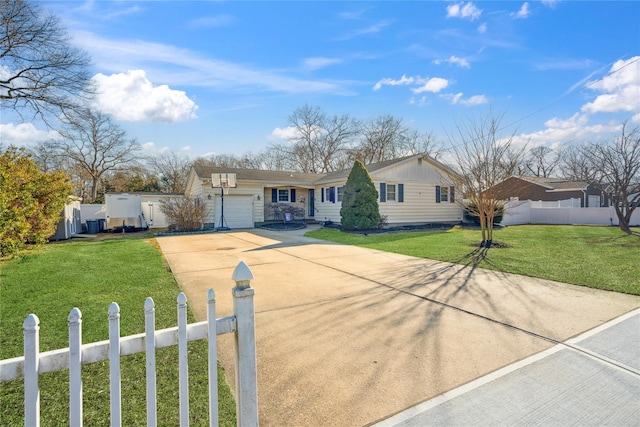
(623, 221)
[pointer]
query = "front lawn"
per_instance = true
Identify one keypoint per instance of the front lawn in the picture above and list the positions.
(597, 257)
(50, 281)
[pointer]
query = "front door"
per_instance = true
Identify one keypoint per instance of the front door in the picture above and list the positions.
(312, 206)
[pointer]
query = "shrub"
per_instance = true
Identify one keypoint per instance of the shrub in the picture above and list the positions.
(31, 201)
(360, 200)
(185, 213)
(473, 218)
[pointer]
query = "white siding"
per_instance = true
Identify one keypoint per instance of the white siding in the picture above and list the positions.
(419, 205)
(416, 170)
(327, 211)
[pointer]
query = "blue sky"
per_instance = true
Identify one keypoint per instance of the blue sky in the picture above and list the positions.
(222, 77)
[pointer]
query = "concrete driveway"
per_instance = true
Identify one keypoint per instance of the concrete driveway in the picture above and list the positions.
(348, 336)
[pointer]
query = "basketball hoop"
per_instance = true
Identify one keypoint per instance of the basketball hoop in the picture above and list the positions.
(224, 181)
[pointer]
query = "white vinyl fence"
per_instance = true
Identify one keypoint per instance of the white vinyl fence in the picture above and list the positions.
(242, 324)
(528, 212)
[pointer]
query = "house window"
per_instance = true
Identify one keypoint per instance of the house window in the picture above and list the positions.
(330, 194)
(283, 195)
(391, 192)
(340, 193)
(444, 194)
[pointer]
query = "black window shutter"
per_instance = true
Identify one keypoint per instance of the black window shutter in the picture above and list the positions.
(400, 193)
(437, 194)
(332, 194)
(383, 191)
(293, 195)
(322, 194)
(274, 195)
(452, 197)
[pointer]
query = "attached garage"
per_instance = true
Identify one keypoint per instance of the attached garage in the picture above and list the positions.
(238, 211)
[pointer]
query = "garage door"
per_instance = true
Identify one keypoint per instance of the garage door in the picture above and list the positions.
(238, 211)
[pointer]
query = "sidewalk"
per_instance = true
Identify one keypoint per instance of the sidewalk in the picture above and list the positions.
(593, 379)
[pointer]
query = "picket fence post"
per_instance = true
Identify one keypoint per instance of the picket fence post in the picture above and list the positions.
(245, 347)
(183, 363)
(31, 327)
(114, 364)
(75, 367)
(150, 355)
(212, 334)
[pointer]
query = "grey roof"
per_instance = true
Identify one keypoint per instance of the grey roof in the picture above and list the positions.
(556, 183)
(204, 172)
(258, 174)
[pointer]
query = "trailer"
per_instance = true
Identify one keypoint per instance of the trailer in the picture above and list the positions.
(123, 211)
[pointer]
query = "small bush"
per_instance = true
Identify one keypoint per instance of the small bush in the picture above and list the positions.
(185, 213)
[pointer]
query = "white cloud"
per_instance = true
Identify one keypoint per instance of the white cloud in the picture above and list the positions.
(550, 3)
(471, 101)
(213, 21)
(461, 62)
(132, 97)
(523, 13)
(287, 133)
(482, 28)
(313, 64)
(462, 10)
(24, 135)
(372, 29)
(435, 85)
(404, 80)
(621, 89)
(576, 128)
(475, 100)
(184, 67)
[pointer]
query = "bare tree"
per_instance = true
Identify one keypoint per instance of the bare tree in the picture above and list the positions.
(41, 72)
(484, 159)
(542, 161)
(415, 142)
(615, 170)
(96, 144)
(172, 171)
(574, 163)
(320, 140)
(382, 139)
(276, 157)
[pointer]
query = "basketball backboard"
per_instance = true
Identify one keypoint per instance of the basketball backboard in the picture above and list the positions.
(223, 180)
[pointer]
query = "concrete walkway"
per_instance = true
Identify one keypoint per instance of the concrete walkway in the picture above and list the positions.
(590, 380)
(348, 336)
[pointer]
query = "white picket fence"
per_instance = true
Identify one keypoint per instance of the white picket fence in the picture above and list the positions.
(242, 324)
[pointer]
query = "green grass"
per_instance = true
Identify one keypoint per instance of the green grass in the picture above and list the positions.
(596, 257)
(50, 281)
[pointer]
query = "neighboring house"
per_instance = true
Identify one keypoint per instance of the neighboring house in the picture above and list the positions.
(575, 193)
(412, 190)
